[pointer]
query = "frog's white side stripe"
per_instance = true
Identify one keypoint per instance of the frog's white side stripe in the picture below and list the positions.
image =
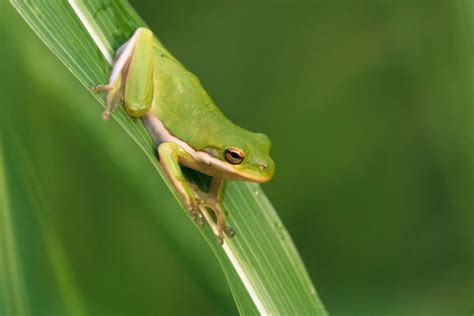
(104, 47)
(160, 134)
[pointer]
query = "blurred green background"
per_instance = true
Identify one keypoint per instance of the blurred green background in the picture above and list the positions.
(368, 104)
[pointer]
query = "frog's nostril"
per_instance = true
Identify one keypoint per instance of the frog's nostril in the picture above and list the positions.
(263, 166)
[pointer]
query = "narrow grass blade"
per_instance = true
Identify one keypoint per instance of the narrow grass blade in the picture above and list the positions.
(262, 266)
(13, 297)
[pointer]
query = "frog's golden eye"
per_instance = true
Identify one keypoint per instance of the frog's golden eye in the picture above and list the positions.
(234, 155)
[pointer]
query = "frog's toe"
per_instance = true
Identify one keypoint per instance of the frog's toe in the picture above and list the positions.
(200, 219)
(192, 213)
(192, 204)
(229, 231)
(220, 239)
(112, 103)
(106, 87)
(114, 95)
(220, 228)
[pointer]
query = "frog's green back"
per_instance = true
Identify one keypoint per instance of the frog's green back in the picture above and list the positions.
(188, 113)
(186, 109)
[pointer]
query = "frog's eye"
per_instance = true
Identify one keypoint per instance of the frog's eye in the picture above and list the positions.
(234, 155)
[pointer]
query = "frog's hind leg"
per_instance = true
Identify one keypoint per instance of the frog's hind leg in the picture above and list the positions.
(116, 85)
(114, 95)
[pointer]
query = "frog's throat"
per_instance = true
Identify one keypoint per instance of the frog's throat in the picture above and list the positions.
(160, 134)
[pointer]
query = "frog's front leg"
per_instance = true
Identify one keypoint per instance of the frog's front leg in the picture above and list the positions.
(171, 155)
(213, 200)
(132, 76)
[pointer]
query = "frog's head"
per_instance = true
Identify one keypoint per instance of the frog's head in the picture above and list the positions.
(247, 157)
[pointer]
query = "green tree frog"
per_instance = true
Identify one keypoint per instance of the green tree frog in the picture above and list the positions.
(185, 124)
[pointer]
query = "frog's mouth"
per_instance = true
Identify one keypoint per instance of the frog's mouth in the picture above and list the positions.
(259, 179)
(246, 177)
(215, 167)
(231, 173)
(265, 176)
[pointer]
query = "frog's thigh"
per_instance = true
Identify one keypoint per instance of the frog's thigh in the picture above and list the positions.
(125, 83)
(138, 85)
(125, 53)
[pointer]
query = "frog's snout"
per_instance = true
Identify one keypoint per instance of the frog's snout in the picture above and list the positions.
(267, 169)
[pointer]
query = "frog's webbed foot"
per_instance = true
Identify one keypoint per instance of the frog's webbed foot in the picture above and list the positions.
(170, 153)
(114, 96)
(193, 202)
(197, 202)
(220, 227)
(114, 88)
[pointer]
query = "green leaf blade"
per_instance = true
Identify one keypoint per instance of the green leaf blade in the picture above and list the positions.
(262, 266)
